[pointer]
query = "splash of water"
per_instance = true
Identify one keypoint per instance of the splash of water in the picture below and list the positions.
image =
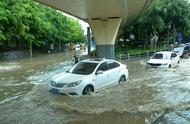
(46, 75)
(9, 67)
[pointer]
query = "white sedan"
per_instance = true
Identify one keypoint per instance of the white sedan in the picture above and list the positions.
(165, 59)
(89, 76)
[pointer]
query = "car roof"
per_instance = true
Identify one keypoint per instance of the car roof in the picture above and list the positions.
(165, 52)
(97, 60)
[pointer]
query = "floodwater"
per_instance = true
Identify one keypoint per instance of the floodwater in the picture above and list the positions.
(147, 94)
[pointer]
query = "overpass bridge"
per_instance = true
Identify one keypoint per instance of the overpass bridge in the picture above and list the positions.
(104, 17)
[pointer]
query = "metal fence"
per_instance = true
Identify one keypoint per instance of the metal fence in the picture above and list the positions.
(136, 56)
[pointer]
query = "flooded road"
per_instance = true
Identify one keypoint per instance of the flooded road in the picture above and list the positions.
(147, 94)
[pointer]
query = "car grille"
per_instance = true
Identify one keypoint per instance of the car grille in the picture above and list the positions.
(57, 84)
(154, 64)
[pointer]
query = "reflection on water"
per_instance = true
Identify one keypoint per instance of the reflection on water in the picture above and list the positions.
(146, 95)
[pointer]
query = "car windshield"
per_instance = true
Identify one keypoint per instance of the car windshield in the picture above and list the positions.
(157, 56)
(177, 49)
(84, 68)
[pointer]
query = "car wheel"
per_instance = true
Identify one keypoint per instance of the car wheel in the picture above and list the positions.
(122, 79)
(88, 90)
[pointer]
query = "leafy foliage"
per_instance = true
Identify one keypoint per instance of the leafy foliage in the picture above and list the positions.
(25, 21)
(165, 18)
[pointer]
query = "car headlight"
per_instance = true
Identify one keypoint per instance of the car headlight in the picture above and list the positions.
(73, 84)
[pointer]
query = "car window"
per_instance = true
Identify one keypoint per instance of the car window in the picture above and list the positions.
(103, 67)
(173, 55)
(112, 65)
(157, 56)
(84, 68)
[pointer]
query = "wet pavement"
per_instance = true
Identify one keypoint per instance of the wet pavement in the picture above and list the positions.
(150, 96)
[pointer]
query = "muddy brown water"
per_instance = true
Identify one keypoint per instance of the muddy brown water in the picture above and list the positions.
(24, 95)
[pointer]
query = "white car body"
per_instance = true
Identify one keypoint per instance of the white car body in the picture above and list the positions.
(165, 59)
(73, 84)
(179, 50)
(77, 47)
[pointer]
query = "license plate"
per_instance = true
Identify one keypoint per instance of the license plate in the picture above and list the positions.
(55, 91)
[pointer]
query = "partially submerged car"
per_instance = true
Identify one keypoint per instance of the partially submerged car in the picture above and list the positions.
(179, 50)
(89, 76)
(183, 51)
(77, 47)
(165, 59)
(186, 52)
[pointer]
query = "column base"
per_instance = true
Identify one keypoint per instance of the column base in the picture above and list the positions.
(105, 51)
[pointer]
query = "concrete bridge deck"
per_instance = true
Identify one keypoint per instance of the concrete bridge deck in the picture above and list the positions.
(104, 17)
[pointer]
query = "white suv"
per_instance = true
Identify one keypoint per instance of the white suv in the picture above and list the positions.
(89, 76)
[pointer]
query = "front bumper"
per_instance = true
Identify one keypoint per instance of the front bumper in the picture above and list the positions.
(148, 65)
(70, 91)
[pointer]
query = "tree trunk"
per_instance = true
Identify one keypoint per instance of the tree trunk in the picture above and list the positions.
(30, 49)
(125, 40)
(174, 33)
(146, 41)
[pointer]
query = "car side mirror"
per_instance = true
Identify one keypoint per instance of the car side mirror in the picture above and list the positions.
(99, 72)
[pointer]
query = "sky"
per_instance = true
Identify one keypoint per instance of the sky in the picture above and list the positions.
(83, 24)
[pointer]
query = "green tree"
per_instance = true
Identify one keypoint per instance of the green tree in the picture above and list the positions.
(164, 18)
(27, 22)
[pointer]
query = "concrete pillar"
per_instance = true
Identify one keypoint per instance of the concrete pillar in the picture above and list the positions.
(105, 32)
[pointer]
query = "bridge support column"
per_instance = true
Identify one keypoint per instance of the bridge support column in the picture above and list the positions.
(105, 32)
